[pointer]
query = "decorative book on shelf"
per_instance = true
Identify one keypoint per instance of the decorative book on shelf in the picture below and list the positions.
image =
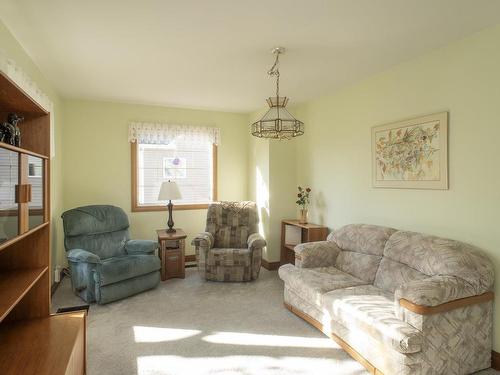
(293, 233)
(32, 341)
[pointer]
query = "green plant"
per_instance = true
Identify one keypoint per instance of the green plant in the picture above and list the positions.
(303, 197)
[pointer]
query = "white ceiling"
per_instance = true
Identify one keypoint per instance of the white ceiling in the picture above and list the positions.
(215, 53)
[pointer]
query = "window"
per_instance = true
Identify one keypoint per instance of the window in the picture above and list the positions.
(186, 155)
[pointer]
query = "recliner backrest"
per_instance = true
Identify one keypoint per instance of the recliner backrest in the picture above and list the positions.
(100, 229)
(231, 223)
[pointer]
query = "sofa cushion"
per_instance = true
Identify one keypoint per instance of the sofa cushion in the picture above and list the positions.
(117, 269)
(391, 275)
(433, 256)
(362, 238)
(311, 283)
(362, 266)
(371, 310)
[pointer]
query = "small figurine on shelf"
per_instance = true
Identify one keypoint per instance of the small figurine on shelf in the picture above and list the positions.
(3, 132)
(9, 131)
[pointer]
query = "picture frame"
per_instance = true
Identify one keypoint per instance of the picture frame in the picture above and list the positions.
(411, 154)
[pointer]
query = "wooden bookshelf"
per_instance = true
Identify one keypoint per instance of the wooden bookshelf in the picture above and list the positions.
(305, 233)
(32, 341)
(51, 345)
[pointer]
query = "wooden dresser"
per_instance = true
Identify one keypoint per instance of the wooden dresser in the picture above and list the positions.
(32, 341)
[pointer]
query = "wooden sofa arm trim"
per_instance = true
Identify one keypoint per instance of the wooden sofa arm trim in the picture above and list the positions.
(462, 302)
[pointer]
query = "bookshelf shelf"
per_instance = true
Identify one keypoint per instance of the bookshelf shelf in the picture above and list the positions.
(52, 345)
(12, 241)
(14, 285)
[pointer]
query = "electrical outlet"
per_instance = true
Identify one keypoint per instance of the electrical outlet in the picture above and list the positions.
(57, 274)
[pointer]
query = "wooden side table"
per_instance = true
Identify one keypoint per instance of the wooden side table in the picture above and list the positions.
(171, 253)
(300, 233)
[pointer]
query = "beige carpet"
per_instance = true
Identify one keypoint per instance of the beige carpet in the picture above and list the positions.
(194, 327)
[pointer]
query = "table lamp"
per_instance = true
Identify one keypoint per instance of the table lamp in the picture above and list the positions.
(169, 191)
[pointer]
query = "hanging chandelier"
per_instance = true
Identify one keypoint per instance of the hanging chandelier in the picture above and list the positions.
(277, 123)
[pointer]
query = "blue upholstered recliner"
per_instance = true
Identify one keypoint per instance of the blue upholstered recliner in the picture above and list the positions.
(105, 264)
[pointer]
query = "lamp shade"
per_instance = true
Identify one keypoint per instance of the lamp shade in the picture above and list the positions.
(169, 191)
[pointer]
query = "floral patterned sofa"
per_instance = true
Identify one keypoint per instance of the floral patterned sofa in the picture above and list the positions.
(399, 302)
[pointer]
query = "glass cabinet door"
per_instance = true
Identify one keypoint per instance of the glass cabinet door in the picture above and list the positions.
(36, 178)
(9, 209)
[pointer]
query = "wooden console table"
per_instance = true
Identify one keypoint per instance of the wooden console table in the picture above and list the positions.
(171, 252)
(304, 233)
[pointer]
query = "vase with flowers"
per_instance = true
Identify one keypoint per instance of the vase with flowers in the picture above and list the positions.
(303, 201)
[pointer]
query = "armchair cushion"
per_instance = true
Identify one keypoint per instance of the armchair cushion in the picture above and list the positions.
(230, 257)
(256, 241)
(231, 223)
(140, 246)
(95, 219)
(117, 269)
(435, 290)
(316, 254)
(80, 255)
(229, 236)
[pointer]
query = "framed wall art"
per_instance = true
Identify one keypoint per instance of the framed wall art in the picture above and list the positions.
(411, 154)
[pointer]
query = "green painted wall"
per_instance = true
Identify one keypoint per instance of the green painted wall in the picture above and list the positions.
(272, 185)
(12, 49)
(334, 156)
(96, 163)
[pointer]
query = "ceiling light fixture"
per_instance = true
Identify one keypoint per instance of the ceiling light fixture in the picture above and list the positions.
(277, 123)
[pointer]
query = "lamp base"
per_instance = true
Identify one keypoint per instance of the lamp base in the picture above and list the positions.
(170, 221)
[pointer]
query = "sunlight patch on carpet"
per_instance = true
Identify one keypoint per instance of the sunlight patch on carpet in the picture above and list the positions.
(239, 338)
(159, 334)
(244, 365)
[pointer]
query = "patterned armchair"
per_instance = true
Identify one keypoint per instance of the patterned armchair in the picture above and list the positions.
(105, 264)
(230, 249)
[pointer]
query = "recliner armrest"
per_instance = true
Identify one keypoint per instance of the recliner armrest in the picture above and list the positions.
(204, 239)
(256, 241)
(140, 246)
(316, 254)
(80, 255)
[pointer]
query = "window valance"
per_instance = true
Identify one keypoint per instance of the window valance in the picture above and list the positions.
(158, 133)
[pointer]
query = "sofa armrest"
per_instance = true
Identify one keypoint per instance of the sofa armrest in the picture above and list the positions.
(82, 256)
(434, 291)
(204, 239)
(316, 254)
(140, 246)
(256, 241)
